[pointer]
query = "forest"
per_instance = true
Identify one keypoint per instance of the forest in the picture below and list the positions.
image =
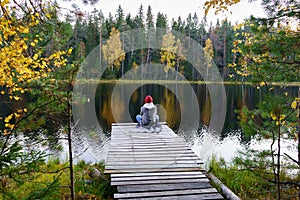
(43, 46)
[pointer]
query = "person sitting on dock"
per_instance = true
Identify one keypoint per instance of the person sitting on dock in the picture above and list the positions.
(148, 117)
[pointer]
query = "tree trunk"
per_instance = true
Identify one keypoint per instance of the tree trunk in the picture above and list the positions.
(123, 50)
(278, 163)
(100, 45)
(299, 130)
(178, 60)
(224, 54)
(70, 145)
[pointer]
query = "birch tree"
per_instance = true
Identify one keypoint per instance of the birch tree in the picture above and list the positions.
(167, 53)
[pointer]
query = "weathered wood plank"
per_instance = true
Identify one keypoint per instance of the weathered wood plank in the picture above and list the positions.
(187, 169)
(192, 180)
(166, 193)
(141, 138)
(155, 166)
(134, 155)
(162, 187)
(213, 196)
(156, 159)
(132, 124)
(150, 152)
(152, 146)
(156, 174)
(145, 162)
(141, 178)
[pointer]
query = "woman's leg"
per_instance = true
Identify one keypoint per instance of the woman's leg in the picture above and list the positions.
(139, 119)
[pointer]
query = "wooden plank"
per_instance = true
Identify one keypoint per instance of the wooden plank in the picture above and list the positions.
(174, 155)
(213, 196)
(149, 149)
(162, 187)
(151, 162)
(156, 174)
(132, 124)
(121, 159)
(166, 193)
(141, 178)
(151, 145)
(187, 169)
(194, 180)
(154, 148)
(140, 138)
(150, 152)
(146, 141)
(155, 166)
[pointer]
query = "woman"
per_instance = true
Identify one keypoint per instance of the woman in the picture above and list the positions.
(148, 117)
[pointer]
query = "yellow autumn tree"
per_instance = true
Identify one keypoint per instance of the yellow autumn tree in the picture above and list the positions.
(21, 62)
(219, 5)
(112, 51)
(208, 55)
(168, 50)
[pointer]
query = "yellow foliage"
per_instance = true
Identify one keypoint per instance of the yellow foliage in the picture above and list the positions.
(208, 53)
(219, 5)
(17, 64)
(294, 105)
(112, 51)
(168, 50)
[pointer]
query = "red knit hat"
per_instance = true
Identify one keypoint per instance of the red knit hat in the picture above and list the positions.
(148, 99)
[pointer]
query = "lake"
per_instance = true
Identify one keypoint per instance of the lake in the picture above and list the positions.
(186, 107)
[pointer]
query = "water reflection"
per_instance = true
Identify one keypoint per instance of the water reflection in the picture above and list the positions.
(121, 102)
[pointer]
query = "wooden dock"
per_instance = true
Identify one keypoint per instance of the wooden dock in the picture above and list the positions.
(155, 166)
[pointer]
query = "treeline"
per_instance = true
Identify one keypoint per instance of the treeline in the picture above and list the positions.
(89, 30)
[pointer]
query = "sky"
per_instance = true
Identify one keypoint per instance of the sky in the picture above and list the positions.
(175, 8)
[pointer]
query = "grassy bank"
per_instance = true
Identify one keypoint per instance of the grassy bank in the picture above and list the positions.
(51, 181)
(151, 81)
(247, 184)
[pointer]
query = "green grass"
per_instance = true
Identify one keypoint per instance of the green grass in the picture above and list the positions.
(34, 185)
(246, 184)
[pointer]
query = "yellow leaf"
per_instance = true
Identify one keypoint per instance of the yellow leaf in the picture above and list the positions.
(70, 51)
(2, 92)
(17, 98)
(32, 44)
(273, 116)
(281, 117)
(294, 105)
(26, 30)
(8, 118)
(262, 83)
(25, 110)
(35, 57)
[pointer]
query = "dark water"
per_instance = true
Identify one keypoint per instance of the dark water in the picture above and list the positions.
(121, 102)
(187, 109)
